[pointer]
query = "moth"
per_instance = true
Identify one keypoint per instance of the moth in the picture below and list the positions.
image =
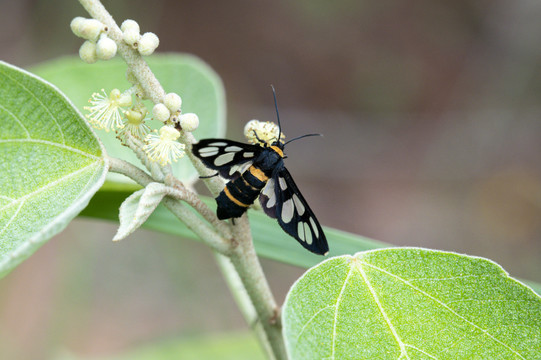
(258, 171)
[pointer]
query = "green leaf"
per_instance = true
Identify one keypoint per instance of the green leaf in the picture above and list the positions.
(411, 303)
(51, 164)
(199, 86)
(221, 346)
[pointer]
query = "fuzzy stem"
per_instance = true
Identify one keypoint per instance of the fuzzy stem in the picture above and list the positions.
(246, 262)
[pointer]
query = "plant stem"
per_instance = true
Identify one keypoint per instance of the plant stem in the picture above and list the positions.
(246, 262)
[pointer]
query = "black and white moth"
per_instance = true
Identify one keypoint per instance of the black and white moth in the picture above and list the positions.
(258, 170)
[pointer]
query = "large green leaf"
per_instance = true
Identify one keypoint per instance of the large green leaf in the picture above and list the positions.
(218, 346)
(411, 304)
(199, 86)
(51, 164)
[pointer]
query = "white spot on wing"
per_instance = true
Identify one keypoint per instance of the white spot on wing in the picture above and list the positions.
(208, 151)
(304, 233)
(233, 148)
(298, 204)
(300, 230)
(287, 211)
(218, 143)
(248, 154)
(224, 159)
(307, 234)
(268, 191)
(282, 183)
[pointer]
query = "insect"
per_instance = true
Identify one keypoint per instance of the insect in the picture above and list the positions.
(258, 171)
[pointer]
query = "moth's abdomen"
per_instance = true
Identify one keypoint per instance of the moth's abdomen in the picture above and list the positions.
(240, 193)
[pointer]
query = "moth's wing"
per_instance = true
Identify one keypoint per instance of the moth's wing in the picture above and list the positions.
(294, 215)
(230, 158)
(268, 198)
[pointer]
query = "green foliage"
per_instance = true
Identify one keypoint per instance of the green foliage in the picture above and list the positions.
(200, 87)
(51, 164)
(411, 304)
(223, 347)
(269, 239)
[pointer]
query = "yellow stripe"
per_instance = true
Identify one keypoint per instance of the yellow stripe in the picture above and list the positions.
(278, 150)
(248, 184)
(258, 173)
(228, 194)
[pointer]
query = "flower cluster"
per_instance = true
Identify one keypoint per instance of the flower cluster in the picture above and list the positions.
(258, 131)
(97, 45)
(145, 44)
(114, 111)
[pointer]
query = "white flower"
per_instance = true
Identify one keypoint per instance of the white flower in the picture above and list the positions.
(148, 43)
(105, 110)
(164, 147)
(135, 123)
(266, 131)
(189, 122)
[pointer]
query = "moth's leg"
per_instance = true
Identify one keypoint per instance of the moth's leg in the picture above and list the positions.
(210, 176)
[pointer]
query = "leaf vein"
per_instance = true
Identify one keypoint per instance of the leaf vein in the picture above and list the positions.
(335, 320)
(16, 119)
(401, 344)
(46, 187)
(41, 103)
(47, 142)
(484, 331)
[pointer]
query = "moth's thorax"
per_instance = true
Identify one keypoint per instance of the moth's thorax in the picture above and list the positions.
(269, 159)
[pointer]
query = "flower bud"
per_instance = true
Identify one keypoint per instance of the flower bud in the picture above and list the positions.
(161, 112)
(90, 29)
(148, 43)
(124, 100)
(105, 48)
(87, 52)
(173, 102)
(129, 25)
(131, 37)
(76, 24)
(189, 122)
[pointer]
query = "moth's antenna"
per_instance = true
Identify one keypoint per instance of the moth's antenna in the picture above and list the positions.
(277, 114)
(300, 137)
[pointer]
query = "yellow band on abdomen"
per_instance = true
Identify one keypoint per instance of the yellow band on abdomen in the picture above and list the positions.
(258, 173)
(228, 194)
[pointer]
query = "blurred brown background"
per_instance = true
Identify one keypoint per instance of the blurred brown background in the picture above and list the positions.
(430, 111)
